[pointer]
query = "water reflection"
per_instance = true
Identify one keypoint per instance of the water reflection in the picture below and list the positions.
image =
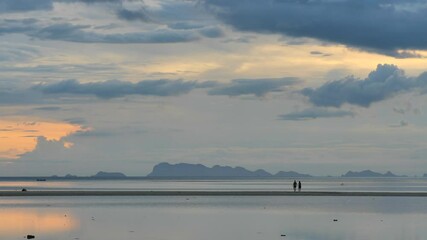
(18, 185)
(213, 218)
(19, 222)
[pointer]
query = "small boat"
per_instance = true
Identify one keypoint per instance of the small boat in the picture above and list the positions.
(41, 179)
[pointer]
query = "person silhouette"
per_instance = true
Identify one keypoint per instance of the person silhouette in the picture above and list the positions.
(299, 186)
(295, 186)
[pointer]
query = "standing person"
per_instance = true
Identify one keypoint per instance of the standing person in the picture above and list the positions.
(295, 186)
(299, 186)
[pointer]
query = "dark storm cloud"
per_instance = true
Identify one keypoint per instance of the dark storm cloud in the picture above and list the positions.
(113, 89)
(385, 82)
(257, 87)
(373, 25)
(24, 5)
(313, 113)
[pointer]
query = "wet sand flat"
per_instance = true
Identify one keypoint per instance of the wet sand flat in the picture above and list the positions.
(207, 193)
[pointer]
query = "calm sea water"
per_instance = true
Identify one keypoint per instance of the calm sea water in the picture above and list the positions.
(309, 184)
(213, 218)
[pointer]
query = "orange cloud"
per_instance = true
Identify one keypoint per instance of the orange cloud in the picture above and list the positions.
(19, 135)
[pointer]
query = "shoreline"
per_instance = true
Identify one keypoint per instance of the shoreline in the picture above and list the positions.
(206, 193)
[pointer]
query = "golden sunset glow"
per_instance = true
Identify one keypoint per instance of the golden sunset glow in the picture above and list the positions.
(182, 67)
(16, 221)
(298, 61)
(20, 135)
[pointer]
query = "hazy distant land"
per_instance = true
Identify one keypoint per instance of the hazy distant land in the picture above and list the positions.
(369, 173)
(200, 171)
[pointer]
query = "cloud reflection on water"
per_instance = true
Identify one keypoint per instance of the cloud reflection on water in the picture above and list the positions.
(26, 221)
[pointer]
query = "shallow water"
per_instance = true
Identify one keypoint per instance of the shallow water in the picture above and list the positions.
(309, 184)
(216, 217)
(213, 218)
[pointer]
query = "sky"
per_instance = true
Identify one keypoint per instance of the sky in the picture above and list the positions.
(314, 86)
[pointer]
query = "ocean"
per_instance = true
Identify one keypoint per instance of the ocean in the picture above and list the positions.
(215, 217)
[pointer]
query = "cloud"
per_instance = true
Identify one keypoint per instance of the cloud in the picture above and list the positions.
(243, 39)
(91, 1)
(8, 26)
(17, 142)
(49, 109)
(83, 34)
(318, 53)
(313, 113)
(24, 5)
(257, 87)
(76, 120)
(383, 83)
(129, 15)
(185, 25)
(211, 32)
(20, 96)
(17, 53)
(16, 93)
(374, 25)
(114, 88)
(401, 124)
(95, 134)
(399, 110)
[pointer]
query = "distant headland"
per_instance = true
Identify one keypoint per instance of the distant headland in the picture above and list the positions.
(200, 171)
(369, 173)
